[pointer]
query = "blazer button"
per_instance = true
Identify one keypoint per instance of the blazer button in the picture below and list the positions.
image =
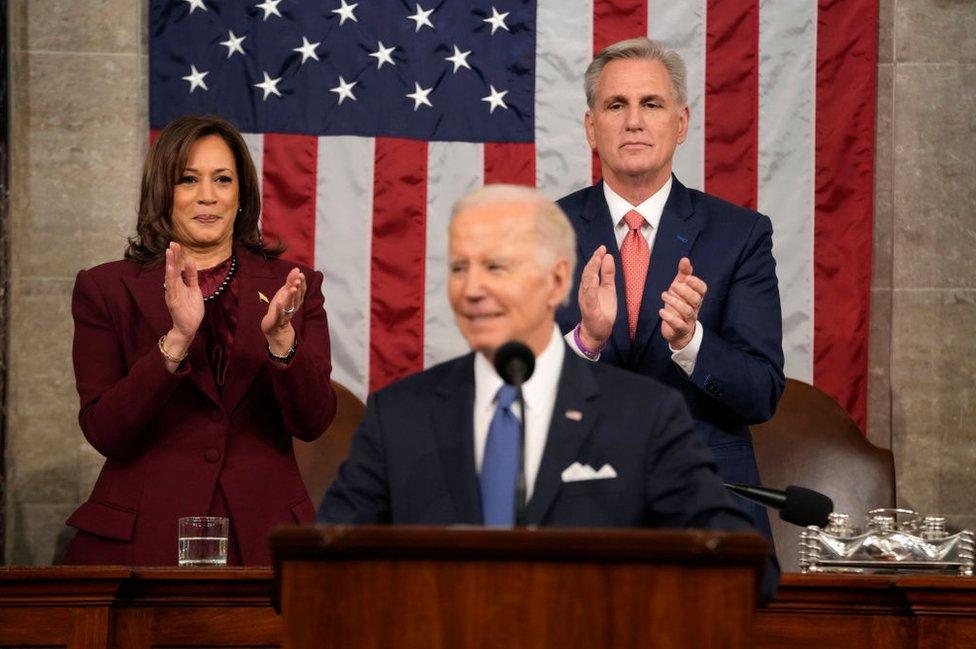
(212, 455)
(216, 415)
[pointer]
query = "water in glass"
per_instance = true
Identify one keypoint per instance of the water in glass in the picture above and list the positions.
(203, 551)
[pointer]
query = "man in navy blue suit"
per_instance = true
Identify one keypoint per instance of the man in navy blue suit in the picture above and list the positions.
(603, 447)
(677, 285)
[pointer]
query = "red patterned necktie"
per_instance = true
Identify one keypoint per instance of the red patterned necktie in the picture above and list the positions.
(636, 257)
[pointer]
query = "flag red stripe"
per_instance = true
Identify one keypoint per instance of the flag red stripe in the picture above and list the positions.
(616, 20)
(732, 100)
(396, 338)
(510, 162)
(844, 199)
(288, 212)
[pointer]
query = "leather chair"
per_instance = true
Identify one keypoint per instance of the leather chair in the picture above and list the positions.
(812, 442)
(319, 461)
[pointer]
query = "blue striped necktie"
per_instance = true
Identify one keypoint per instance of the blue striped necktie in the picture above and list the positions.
(500, 466)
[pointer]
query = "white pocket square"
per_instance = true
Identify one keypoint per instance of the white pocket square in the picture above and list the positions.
(577, 472)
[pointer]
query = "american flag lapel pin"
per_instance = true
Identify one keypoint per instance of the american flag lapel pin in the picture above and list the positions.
(263, 298)
(575, 415)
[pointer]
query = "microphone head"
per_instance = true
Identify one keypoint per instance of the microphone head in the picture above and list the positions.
(806, 507)
(514, 362)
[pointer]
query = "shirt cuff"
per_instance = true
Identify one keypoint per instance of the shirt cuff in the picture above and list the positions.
(687, 357)
(571, 341)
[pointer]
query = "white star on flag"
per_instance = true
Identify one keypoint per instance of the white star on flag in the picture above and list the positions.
(270, 7)
(422, 17)
(233, 43)
(269, 86)
(459, 59)
(346, 12)
(383, 55)
(307, 50)
(196, 78)
(196, 4)
(497, 20)
(495, 99)
(344, 90)
(419, 96)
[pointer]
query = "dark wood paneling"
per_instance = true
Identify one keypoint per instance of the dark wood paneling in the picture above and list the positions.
(102, 607)
(586, 605)
(472, 588)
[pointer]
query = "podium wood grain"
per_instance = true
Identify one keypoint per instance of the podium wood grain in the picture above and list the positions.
(474, 588)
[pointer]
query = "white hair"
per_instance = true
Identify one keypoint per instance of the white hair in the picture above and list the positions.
(556, 234)
(638, 48)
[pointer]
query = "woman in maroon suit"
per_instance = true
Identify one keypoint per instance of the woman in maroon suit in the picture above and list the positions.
(197, 359)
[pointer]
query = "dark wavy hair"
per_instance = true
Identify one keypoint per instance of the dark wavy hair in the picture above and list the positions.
(165, 163)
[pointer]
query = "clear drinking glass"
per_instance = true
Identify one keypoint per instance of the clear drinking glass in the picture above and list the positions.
(203, 541)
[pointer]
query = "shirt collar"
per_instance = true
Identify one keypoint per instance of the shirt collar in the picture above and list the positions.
(651, 208)
(548, 365)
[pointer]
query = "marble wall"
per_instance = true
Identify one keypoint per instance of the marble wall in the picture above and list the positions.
(78, 131)
(923, 357)
(78, 135)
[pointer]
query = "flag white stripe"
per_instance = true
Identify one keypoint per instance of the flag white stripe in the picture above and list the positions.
(564, 47)
(453, 169)
(255, 146)
(343, 234)
(787, 82)
(681, 27)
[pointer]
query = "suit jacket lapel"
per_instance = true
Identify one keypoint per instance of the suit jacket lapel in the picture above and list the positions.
(249, 353)
(676, 235)
(599, 231)
(577, 389)
(453, 425)
(146, 289)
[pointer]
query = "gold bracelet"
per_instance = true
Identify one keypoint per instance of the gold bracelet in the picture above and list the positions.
(171, 359)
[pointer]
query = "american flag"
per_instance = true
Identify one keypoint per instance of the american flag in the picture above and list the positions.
(367, 119)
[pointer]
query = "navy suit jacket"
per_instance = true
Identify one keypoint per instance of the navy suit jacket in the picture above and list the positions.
(738, 377)
(412, 459)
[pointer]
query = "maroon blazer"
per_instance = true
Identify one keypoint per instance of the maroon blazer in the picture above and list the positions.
(170, 439)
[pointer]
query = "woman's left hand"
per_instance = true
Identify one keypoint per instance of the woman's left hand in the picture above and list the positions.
(276, 323)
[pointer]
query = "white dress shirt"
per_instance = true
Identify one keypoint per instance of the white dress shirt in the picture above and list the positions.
(539, 393)
(651, 209)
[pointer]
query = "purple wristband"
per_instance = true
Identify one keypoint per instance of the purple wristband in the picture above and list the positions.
(589, 353)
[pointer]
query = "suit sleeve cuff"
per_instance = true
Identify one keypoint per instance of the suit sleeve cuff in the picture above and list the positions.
(687, 357)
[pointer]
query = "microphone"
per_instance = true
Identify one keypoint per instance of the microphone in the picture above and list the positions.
(797, 505)
(515, 363)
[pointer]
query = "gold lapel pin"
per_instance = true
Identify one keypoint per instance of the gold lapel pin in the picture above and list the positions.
(263, 298)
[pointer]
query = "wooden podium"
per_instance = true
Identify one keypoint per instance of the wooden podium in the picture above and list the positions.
(407, 587)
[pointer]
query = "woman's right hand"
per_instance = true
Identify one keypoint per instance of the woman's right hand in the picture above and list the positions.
(184, 300)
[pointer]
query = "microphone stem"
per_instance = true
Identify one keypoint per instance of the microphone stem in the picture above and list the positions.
(521, 517)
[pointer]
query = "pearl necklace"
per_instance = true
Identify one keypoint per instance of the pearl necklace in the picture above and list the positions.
(223, 285)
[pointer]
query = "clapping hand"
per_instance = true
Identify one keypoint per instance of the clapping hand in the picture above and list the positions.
(597, 299)
(276, 323)
(682, 301)
(184, 302)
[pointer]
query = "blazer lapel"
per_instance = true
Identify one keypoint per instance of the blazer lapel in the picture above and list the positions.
(453, 425)
(676, 235)
(577, 389)
(599, 231)
(146, 289)
(249, 353)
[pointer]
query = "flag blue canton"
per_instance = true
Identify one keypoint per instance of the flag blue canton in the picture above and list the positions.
(426, 87)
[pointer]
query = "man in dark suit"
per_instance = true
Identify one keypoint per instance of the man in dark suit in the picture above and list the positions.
(603, 447)
(653, 249)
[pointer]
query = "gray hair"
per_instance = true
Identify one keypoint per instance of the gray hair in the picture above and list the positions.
(555, 231)
(638, 48)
